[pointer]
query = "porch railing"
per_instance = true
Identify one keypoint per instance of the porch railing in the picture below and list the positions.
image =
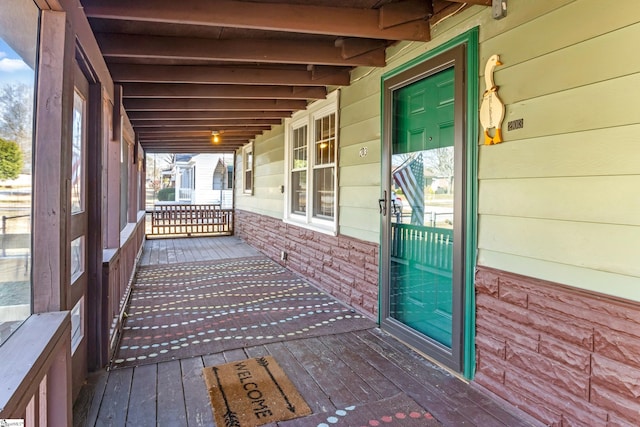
(185, 194)
(429, 247)
(188, 220)
(35, 372)
(118, 269)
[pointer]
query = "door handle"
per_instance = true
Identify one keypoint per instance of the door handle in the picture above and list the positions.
(382, 204)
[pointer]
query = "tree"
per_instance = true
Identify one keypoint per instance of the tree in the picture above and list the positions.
(16, 116)
(10, 159)
(440, 161)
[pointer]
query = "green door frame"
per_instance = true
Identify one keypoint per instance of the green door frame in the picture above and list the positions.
(462, 52)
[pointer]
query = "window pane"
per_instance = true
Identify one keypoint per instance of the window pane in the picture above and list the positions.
(77, 202)
(18, 46)
(247, 180)
(325, 140)
(248, 164)
(229, 177)
(299, 192)
(323, 194)
(248, 169)
(299, 148)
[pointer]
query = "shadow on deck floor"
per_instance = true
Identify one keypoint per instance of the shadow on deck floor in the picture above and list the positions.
(365, 370)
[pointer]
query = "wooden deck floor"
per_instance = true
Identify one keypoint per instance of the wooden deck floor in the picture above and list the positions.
(171, 251)
(332, 372)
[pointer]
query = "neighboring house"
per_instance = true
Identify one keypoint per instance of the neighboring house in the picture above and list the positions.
(203, 179)
(541, 303)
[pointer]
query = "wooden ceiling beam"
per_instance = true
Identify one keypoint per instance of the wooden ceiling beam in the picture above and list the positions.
(195, 148)
(205, 115)
(127, 73)
(353, 47)
(211, 123)
(393, 14)
(238, 50)
(189, 104)
(204, 135)
(193, 141)
(160, 133)
(202, 129)
(222, 150)
(197, 140)
(478, 2)
(297, 18)
(175, 90)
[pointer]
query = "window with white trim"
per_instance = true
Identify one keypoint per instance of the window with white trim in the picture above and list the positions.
(311, 142)
(247, 168)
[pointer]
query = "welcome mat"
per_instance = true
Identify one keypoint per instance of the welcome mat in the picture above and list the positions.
(191, 309)
(252, 392)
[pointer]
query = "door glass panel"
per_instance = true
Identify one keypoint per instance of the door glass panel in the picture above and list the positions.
(77, 321)
(77, 258)
(422, 208)
(77, 199)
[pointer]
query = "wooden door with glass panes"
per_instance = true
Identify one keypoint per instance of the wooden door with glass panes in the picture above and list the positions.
(77, 241)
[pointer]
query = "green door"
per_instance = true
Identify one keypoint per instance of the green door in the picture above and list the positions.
(423, 224)
(422, 165)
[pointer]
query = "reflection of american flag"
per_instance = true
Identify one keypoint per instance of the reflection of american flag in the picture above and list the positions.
(410, 178)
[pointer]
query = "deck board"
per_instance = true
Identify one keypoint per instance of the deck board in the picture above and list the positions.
(142, 403)
(331, 362)
(306, 384)
(115, 401)
(172, 251)
(195, 393)
(87, 405)
(330, 383)
(427, 395)
(171, 402)
(333, 371)
(466, 405)
(364, 370)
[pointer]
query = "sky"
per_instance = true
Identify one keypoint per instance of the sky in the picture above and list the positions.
(12, 68)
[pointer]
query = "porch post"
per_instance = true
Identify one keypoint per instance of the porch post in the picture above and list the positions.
(51, 163)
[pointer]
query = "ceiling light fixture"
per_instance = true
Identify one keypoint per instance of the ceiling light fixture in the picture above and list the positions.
(216, 136)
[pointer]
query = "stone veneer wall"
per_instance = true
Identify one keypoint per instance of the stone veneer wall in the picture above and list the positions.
(345, 267)
(567, 357)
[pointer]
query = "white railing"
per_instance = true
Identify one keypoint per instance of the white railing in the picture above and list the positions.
(185, 194)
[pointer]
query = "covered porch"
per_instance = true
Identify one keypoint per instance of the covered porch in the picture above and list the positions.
(361, 376)
(354, 155)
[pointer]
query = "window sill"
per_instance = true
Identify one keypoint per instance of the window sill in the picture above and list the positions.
(330, 230)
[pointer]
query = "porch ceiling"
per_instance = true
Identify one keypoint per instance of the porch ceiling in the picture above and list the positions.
(238, 67)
